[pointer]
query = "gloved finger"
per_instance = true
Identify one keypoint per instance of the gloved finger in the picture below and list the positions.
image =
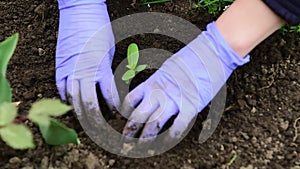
(181, 123)
(157, 120)
(73, 95)
(132, 99)
(89, 101)
(110, 92)
(139, 116)
(83, 97)
(61, 87)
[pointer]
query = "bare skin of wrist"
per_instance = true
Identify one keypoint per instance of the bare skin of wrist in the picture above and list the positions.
(246, 23)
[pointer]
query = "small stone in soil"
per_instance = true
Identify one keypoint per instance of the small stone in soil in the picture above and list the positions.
(91, 162)
(15, 160)
(111, 162)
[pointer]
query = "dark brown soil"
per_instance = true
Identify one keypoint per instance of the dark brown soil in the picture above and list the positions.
(257, 128)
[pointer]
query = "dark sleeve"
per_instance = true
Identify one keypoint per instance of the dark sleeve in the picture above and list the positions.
(289, 10)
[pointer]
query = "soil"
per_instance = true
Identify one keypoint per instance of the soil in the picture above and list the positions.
(257, 129)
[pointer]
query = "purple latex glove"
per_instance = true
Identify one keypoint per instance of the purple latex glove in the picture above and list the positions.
(79, 67)
(184, 85)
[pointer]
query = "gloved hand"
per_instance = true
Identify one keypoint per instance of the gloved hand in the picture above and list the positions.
(184, 85)
(79, 67)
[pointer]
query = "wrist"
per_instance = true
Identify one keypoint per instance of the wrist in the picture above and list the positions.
(244, 29)
(62, 4)
(224, 51)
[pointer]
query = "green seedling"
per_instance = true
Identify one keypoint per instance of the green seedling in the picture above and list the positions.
(12, 130)
(290, 28)
(133, 67)
(214, 7)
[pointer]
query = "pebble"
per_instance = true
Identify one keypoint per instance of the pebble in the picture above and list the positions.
(295, 167)
(44, 163)
(278, 166)
(269, 140)
(248, 167)
(41, 51)
(269, 155)
(253, 110)
(91, 162)
(28, 167)
(186, 166)
(222, 148)
(233, 139)
(15, 160)
(60, 150)
(74, 154)
(280, 157)
(245, 135)
(28, 95)
(25, 160)
(111, 162)
(284, 124)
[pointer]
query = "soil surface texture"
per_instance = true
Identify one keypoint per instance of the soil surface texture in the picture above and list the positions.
(258, 128)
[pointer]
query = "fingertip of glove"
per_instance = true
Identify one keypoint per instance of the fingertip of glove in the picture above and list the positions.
(62, 90)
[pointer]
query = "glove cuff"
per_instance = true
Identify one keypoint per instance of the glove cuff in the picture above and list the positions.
(71, 3)
(227, 55)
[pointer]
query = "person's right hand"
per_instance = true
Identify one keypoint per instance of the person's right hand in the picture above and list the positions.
(79, 67)
(182, 86)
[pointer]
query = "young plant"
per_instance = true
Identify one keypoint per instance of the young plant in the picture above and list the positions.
(214, 7)
(132, 58)
(12, 130)
(290, 28)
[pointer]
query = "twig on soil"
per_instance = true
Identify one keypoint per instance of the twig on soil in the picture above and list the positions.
(295, 129)
(231, 160)
(272, 76)
(268, 86)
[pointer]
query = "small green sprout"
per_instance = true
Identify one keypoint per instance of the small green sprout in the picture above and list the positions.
(12, 129)
(132, 58)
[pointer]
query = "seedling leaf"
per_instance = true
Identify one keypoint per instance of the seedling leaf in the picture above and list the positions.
(6, 51)
(140, 68)
(8, 112)
(57, 133)
(18, 136)
(129, 74)
(132, 55)
(42, 110)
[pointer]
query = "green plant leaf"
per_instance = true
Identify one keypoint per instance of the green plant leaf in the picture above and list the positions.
(6, 51)
(8, 113)
(132, 55)
(140, 68)
(41, 111)
(57, 133)
(18, 136)
(129, 74)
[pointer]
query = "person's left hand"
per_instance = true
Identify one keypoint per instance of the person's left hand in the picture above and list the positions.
(84, 54)
(184, 85)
